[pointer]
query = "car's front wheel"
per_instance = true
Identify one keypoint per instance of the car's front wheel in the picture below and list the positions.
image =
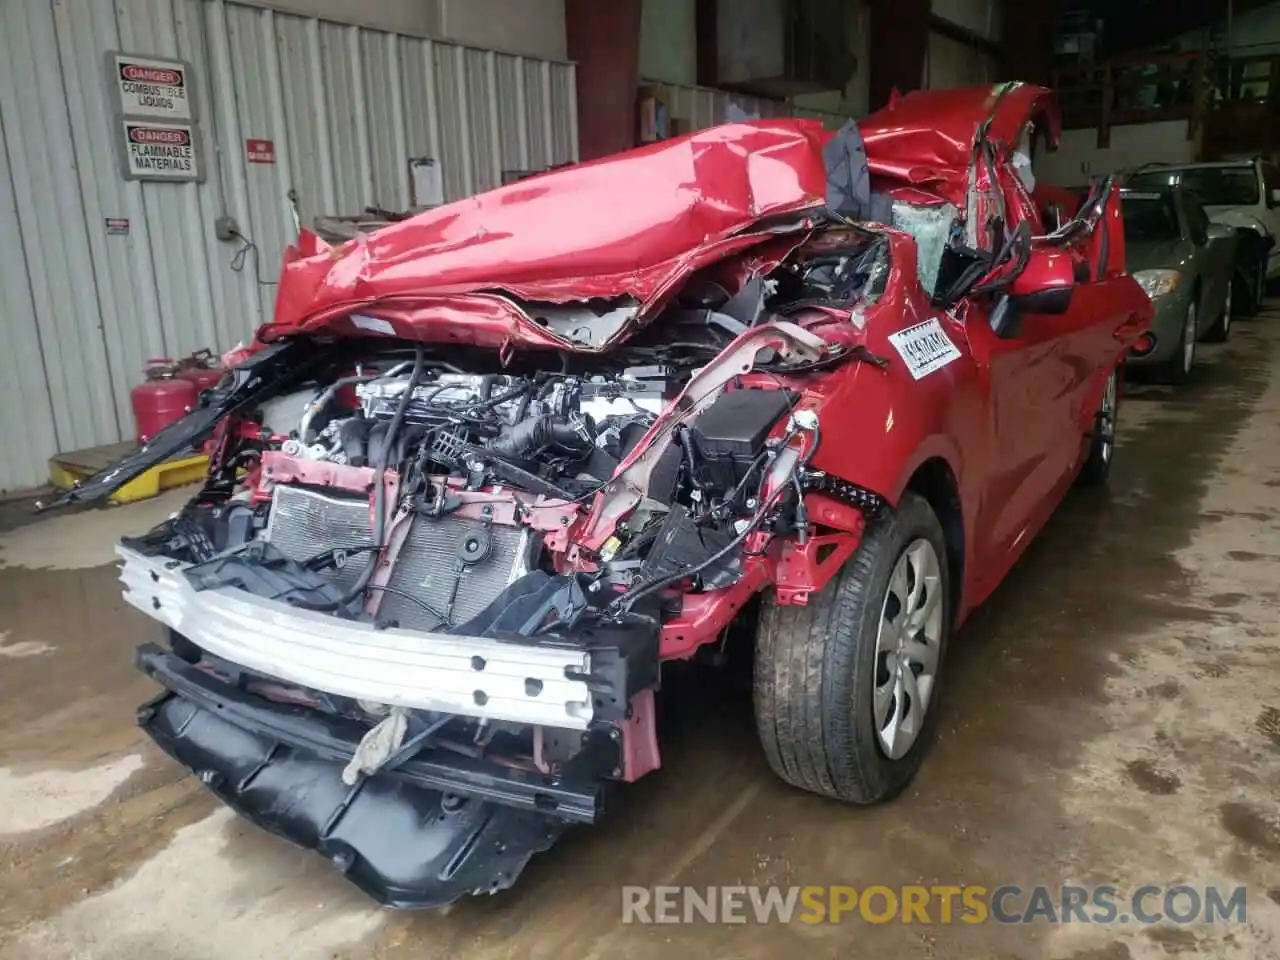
(1244, 293)
(1177, 370)
(1221, 330)
(846, 687)
(1102, 440)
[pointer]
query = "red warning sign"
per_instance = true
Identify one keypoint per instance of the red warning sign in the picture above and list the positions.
(159, 151)
(260, 151)
(151, 86)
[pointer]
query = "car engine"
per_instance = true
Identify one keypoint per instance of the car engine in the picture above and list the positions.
(477, 481)
(555, 437)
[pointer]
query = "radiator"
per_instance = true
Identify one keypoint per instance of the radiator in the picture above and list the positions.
(304, 524)
(455, 565)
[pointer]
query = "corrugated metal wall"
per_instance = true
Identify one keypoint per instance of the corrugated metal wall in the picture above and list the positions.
(950, 63)
(345, 106)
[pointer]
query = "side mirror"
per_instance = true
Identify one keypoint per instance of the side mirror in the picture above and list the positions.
(1045, 284)
(1220, 231)
(1273, 197)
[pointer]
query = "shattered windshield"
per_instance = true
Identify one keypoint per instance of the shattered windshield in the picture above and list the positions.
(930, 227)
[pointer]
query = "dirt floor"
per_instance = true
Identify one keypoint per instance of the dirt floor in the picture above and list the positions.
(1112, 717)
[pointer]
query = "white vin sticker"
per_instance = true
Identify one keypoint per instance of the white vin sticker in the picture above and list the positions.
(925, 348)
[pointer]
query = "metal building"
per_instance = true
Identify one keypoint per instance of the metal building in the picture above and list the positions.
(99, 272)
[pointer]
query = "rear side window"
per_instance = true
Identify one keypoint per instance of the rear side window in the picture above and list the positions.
(1223, 186)
(1197, 219)
(1150, 217)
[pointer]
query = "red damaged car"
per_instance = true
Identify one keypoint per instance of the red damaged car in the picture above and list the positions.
(491, 467)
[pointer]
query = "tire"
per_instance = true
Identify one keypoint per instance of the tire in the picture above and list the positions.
(1177, 369)
(1102, 440)
(1244, 292)
(817, 667)
(1221, 328)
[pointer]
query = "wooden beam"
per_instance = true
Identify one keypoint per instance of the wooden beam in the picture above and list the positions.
(962, 34)
(899, 43)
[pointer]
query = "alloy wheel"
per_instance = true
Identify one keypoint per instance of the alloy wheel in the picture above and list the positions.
(908, 648)
(1106, 425)
(1189, 339)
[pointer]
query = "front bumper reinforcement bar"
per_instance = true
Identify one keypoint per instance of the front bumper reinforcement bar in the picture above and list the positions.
(541, 684)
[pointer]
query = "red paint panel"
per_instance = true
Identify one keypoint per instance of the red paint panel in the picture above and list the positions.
(925, 139)
(625, 225)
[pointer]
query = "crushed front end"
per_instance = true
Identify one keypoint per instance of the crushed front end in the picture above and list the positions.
(416, 615)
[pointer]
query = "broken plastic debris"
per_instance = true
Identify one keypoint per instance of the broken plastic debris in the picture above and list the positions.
(377, 745)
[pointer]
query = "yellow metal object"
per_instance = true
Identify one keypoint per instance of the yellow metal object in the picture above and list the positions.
(68, 469)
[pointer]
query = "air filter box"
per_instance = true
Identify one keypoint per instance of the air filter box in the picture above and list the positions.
(731, 432)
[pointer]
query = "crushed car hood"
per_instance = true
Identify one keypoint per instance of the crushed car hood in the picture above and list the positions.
(926, 139)
(628, 226)
(613, 236)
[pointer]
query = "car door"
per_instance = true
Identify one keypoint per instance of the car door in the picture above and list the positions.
(1269, 211)
(1024, 379)
(1101, 319)
(1214, 252)
(1045, 380)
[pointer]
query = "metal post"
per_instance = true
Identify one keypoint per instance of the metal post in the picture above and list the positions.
(1231, 73)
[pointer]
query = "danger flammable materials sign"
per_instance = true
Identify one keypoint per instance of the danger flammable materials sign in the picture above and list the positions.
(160, 151)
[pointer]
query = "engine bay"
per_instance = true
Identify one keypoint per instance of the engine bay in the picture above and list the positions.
(482, 479)
(410, 484)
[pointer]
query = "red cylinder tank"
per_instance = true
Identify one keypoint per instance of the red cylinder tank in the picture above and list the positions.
(163, 398)
(204, 378)
(201, 368)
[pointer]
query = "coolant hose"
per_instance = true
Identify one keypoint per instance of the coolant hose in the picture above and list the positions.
(379, 493)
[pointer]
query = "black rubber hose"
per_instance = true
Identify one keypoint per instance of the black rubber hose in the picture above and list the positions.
(308, 435)
(520, 388)
(353, 438)
(529, 436)
(379, 494)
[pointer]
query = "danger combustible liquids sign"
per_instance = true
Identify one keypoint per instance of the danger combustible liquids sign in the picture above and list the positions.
(160, 151)
(148, 87)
